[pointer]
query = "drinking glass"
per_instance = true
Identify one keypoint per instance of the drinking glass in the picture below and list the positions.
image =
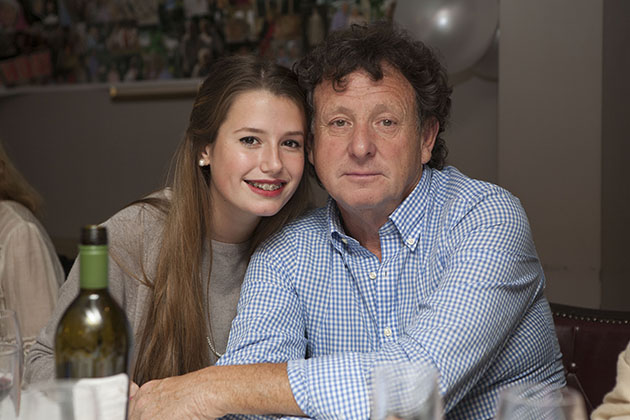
(405, 391)
(10, 333)
(11, 363)
(537, 402)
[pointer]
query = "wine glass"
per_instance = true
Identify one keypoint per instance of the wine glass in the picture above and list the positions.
(11, 362)
(405, 391)
(538, 402)
(10, 333)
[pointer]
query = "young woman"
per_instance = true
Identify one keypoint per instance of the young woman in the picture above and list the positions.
(178, 257)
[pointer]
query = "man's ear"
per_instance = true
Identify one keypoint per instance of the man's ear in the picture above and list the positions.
(430, 130)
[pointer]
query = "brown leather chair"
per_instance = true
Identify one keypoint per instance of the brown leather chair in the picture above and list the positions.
(591, 340)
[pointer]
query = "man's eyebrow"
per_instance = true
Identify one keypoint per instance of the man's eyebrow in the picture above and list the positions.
(332, 110)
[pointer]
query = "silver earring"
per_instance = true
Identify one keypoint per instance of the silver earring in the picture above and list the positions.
(202, 162)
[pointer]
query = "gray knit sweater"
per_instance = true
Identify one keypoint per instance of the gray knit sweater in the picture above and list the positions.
(134, 237)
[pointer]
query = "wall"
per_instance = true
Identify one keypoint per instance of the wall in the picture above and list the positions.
(550, 129)
(471, 136)
(615, 155)
(89, 156)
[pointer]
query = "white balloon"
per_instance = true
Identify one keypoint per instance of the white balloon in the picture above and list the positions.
(488, 66)
(460, 30)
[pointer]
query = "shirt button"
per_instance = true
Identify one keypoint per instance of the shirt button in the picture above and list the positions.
(411, 241)
(372, 275)
(344, 240)
(388, 332)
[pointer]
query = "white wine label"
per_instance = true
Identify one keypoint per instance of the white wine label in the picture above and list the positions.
(106, 397)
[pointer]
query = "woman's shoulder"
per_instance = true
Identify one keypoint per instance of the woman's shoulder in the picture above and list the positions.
(135, 232)
(146, 213)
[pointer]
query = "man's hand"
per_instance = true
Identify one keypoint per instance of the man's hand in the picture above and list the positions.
(179, 397)
(215, 391)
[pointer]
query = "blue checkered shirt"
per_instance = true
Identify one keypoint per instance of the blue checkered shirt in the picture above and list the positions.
(459, 286)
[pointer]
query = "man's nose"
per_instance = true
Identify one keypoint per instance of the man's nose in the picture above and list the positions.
(362, 144)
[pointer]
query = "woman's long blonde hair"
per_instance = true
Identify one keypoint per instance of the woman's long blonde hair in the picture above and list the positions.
(14, 187)
(173, 337)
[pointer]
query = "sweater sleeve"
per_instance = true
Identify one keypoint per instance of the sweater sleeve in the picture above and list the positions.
(133, 244)
(40, 362)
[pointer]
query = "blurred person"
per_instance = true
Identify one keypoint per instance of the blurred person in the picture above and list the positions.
(356, 17)
(30, 270)
(315, 31)
(340, 18)
(616, 404)
(178, 257)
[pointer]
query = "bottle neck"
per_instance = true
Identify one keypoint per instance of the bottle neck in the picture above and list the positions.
(93, 266)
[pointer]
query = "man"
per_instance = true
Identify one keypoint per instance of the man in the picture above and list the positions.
(409, 261)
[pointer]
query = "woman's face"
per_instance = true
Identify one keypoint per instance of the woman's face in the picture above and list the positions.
(257, 160)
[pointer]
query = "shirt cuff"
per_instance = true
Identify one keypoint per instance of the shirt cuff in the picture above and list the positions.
(296, 370)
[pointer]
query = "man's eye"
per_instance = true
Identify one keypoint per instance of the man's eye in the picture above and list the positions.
(388, 123)
(249, 140)
(339, 123)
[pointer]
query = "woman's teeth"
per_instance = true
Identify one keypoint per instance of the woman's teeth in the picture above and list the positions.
(265, 186)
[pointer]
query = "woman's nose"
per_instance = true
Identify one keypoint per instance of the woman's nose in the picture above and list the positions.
(271, 161)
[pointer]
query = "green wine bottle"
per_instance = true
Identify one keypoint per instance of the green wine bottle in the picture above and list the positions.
(93, 338)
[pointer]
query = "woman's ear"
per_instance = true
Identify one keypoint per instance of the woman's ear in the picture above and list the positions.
(206, 155)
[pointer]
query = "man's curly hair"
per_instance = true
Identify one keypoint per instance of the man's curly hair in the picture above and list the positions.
(368, 47)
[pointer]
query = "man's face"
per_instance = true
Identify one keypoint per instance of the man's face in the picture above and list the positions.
(367, 151)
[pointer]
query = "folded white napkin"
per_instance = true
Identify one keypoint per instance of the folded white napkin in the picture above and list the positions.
(84, 399)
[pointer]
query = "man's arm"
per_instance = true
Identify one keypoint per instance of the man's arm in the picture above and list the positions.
(489, 277)
(216, 391)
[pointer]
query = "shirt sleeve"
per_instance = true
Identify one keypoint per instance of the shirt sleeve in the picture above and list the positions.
(490, 276)
(32, 275)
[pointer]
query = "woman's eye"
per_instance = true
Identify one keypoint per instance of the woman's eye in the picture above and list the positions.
(293, 144)
(249, 140)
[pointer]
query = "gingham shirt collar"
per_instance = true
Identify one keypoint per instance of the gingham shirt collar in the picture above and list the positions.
(406, 219)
